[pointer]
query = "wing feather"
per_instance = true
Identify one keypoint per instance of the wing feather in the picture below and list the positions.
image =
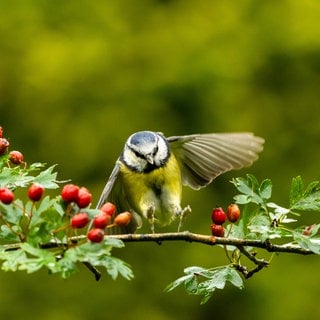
(203, 157)
(113, 192)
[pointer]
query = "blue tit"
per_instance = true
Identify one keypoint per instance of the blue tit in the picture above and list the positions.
(148, 176)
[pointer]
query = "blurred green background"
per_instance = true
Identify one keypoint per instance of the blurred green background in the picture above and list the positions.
(77, 77)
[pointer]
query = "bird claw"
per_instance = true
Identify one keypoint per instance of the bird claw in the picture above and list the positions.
(183, 214)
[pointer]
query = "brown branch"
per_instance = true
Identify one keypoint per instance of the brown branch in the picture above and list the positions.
(185, 236)
(210, 240)
(240, 244)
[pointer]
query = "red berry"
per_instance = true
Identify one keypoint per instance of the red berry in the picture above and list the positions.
(101, 220)
(79, 220)
(35, 192)
(16, 157)
(218, 216)
(108, 208)
(95, 235)
(69, 193)
(84, 197)
(4, 145)
(1, 132)
(6, 195)
(122, 219)
(217, 230)
(233, 212)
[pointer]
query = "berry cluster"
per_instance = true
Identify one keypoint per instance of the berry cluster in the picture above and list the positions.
(72, 194)
(219, 217)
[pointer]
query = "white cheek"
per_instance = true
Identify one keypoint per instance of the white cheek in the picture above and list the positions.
(133, 161)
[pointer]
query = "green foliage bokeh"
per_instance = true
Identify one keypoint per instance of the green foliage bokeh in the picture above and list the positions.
(78, 77)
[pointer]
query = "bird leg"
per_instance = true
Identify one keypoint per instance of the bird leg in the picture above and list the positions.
(150, 216)
(184, 212)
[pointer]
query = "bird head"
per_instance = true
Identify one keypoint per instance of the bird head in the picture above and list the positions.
(145, 151)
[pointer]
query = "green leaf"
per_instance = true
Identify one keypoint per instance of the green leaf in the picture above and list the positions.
(216, 278)
(12, 213)
(47, 178)
(265, 189)
(242, 199)
(178, 282)
(191, 284)
(307, 242)
(36, 259)
(311, 188)
(8, 235)
(308, 203)
(296, 190)
(249, 188)
(97, 254)
(12, 259)
(14, 177)
(304, 200)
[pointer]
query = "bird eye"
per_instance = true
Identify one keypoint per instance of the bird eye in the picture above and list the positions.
(138, 154)
(155, 150)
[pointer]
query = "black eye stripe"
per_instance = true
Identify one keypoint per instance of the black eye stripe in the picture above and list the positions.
(139, 155)
(155, 150)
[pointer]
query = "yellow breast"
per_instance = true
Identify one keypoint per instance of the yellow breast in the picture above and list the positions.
(160, 188)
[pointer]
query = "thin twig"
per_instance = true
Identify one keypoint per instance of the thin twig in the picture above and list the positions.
(93, 269)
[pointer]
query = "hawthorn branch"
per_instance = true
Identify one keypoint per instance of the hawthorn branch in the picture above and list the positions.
(184, 236)
(240, 244)
(209, 240)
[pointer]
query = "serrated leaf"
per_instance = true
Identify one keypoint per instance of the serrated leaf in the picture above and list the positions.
(47, 178)
(215, 279)
(306, 242)
(177, 282)
(265, 189)
(12, 259)
(311, 188)
(36, 259)
(308, 203)
(234, 277)
(7, 234)
(242, 199)
(14, 177)
(97, 254)
(191, 285)
(115, 266)
(248, 187)
(296, 190)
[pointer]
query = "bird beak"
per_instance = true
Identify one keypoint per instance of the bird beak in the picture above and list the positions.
(149, 158)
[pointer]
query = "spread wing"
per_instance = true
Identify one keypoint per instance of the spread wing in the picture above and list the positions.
(202, 157)
(113, 192)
